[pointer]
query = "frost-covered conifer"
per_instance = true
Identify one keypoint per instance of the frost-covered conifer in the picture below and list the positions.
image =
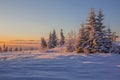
(100, 39)
(91, 25)
(108, 40)
(43, 43)
(50, 41)
(53, 39)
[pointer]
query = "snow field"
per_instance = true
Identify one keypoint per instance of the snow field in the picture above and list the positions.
(59, 66)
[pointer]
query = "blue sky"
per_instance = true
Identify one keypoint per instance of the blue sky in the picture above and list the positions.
(32, 19)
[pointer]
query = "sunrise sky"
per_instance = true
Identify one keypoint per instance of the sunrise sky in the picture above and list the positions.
(32, 19)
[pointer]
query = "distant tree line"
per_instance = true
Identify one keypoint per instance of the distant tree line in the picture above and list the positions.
(5, 48)
(93, 37)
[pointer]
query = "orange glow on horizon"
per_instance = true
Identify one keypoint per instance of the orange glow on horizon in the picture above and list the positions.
(8, 39)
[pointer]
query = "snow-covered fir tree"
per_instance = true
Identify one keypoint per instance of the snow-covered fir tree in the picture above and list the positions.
(86, 40)
(114, 48)
(89, 47)
(54, 39)
(100, 39)
(107, 45)
(50, 41)
(62, 40)
(43, 43)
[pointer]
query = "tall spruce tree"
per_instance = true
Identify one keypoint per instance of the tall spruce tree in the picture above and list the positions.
(90, 33)
(99, 40)
(103, 36)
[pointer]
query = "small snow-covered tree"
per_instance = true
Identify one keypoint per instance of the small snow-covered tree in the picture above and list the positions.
(109, 33)
(50, 41)
(71, 42)
(54, 39)
(43, 43)
(108, 40)
(62, 40)
(111, 45)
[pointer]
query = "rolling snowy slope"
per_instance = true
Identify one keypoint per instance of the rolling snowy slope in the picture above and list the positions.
(58, 66)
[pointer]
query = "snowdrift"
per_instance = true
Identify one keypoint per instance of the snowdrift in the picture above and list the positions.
(53, 65)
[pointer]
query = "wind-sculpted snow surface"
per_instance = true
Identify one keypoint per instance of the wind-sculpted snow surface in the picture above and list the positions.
(59, 66)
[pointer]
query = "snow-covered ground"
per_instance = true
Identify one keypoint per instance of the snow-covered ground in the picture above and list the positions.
(53, 65)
